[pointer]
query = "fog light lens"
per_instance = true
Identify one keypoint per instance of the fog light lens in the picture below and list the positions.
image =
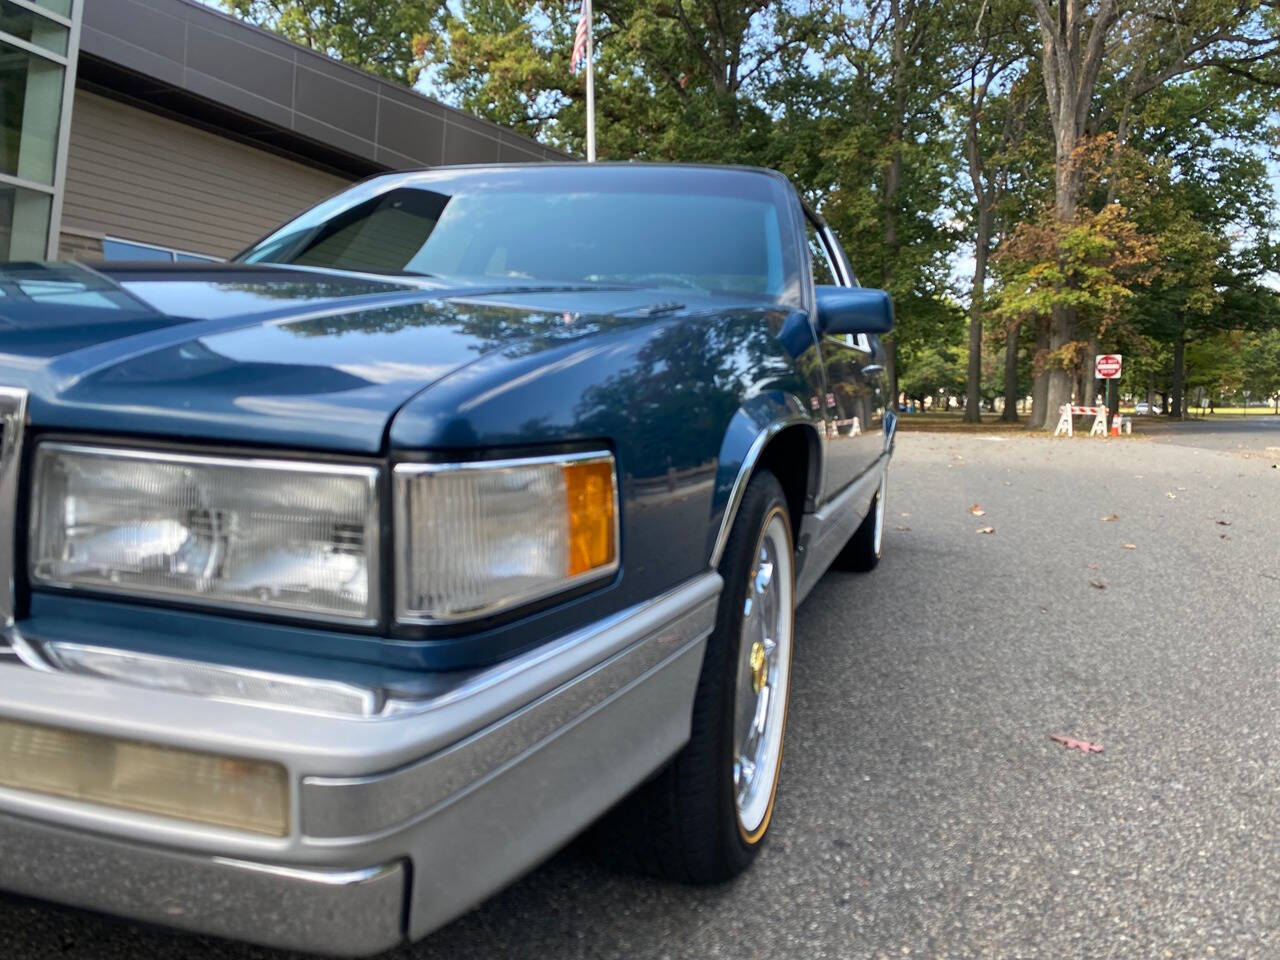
(250, 795)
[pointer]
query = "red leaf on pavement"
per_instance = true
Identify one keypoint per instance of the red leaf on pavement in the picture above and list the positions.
(1073, 744)
(1223, 523)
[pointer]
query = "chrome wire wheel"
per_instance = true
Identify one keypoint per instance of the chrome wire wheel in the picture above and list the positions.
(764, 675)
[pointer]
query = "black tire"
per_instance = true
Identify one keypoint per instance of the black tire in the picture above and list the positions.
(862, 553)
(683, 824)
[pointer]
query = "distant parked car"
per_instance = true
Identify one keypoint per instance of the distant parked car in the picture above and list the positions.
(1143, 409)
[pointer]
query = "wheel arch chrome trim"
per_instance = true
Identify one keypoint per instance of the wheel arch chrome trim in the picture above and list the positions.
(747, 470)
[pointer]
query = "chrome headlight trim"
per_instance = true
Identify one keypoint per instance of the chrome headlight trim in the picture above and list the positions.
(403, 475)
(212, 681)
(13, 421)
(373, 524)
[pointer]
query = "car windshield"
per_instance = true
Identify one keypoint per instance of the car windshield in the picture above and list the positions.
(706, 231)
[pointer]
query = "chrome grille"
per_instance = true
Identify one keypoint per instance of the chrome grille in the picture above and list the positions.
(13, 418)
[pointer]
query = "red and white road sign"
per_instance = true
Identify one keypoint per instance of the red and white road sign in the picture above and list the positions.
(1107, 366)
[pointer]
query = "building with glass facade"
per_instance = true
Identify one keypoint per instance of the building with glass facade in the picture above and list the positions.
(38, 45)
(165, 130)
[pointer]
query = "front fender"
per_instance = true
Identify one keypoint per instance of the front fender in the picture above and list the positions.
(757, 422)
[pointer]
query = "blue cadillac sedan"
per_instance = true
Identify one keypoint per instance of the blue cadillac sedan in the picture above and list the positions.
(342, 583)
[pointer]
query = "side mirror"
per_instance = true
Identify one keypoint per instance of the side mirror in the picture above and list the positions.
(853, 310)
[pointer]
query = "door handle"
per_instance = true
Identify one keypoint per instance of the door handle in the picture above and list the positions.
(871, 368)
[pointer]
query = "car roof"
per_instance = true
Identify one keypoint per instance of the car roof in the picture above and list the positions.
(553, 167)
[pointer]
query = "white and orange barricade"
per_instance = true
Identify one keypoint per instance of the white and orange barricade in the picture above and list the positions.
(1067, 414)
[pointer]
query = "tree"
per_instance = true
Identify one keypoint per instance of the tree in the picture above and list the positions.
(887, 162)
(1204, 142)
(997, 95)
(676, 79)
(375, 35)
(1135, 49)
(934, 372)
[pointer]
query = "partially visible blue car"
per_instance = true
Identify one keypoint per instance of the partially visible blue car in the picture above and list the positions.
(342, 583)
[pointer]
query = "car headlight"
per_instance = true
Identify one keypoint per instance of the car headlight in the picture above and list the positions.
(476, 538)
(274, 535)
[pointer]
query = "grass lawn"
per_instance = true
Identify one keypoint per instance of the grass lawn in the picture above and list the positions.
(954, 421)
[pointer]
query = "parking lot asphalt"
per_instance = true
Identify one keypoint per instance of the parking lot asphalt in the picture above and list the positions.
(924, 810)
(1258, 434)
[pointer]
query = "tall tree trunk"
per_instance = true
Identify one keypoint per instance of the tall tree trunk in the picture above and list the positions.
(1062, 323)
(893, 177)
(1073, 52)
(973, 377)
(1010, 414)
(890, 344)
(1089, 374)
(1040, 381)
(1174, 409)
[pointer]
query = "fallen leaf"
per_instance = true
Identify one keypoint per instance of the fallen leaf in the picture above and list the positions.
(904, 515)
(1093, 566)
(1172, 496)
(1071, 743)
(977, 511)
(1129, 546)
(900, 527)
(1098, 584)
(1224, 536)
(1110, 519)
(986, 529)
(1223, 523)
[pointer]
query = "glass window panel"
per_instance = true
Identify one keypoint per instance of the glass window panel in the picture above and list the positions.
(62, 7)
(124, 250)
(194, 258)
(30, 106)
(24, 223)
(30, 26)
(823, 271)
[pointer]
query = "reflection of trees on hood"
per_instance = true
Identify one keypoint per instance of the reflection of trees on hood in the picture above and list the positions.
(518, 332)
(673, 403)
(321, 288)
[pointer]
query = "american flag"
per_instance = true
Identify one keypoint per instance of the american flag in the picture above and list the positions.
(579, 54)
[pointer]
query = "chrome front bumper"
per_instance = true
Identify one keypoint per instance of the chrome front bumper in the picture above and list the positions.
(399, 823)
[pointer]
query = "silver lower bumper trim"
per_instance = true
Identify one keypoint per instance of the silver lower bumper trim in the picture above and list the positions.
(338, 912)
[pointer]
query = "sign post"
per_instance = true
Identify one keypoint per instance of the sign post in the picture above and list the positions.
(1107, 366)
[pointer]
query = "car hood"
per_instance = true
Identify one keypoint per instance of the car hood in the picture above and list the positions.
(278, 357)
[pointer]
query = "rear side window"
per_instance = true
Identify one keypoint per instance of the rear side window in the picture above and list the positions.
(824, 270)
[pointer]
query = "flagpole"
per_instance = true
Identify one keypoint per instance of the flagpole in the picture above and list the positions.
(591, 88)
